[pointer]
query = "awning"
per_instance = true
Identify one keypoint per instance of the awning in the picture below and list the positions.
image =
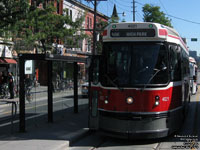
(7, 61)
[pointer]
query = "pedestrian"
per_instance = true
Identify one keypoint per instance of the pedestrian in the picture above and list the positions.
(11, 85)
(28, 81)
(57, 81)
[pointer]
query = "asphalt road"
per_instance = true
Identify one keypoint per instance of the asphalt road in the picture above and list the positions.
(188, 137)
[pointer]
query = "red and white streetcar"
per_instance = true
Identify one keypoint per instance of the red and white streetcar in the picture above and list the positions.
(140, 83)
(193, 75)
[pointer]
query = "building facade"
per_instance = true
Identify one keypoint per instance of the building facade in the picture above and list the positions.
(76, 9)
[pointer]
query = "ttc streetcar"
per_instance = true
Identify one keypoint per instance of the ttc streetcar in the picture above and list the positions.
(140, 87)
(193, 76)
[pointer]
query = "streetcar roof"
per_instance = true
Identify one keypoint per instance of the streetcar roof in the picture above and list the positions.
(142, 31)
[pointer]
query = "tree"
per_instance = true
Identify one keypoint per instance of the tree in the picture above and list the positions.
(100, 27)
(43, 26)
(153, 14)
(11, 11)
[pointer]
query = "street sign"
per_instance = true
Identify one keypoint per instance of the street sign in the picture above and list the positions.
(28, 67)
(194, 39)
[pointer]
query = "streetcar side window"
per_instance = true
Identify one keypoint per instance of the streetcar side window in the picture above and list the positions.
(175, 62)
(185, 64)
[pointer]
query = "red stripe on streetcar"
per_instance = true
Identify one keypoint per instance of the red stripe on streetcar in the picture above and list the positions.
(174, 37)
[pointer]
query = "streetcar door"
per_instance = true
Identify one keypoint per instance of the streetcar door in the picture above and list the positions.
(93, 93)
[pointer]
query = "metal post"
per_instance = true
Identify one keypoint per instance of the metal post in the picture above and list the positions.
(94, 28)
(133, 10)
(75, 87)
(21, 96)
(50, 95)
(12, 118)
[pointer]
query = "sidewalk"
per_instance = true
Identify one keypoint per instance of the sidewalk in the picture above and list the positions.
(66, 128)
(49, 136)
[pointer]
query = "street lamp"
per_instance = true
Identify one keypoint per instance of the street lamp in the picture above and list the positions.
(123, 14)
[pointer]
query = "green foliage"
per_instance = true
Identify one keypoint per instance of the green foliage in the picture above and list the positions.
(43, 26)
(153, 14)
(113, 20)
(11, 11)
(100, 27)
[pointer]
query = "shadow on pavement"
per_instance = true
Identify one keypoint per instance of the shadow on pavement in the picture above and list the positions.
(66, 123)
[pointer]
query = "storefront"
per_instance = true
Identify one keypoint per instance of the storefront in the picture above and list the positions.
(8, 62)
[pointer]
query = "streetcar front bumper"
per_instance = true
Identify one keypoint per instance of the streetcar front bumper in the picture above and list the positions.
(139, 126)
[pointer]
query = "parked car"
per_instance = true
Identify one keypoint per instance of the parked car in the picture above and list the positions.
(84, 89)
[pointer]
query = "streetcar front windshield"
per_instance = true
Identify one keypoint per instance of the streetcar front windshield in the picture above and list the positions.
(128, 64)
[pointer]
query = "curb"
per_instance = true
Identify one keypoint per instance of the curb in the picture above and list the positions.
(75, 136)
(64, 146)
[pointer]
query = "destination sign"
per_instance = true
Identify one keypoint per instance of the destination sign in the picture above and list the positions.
(132, 33)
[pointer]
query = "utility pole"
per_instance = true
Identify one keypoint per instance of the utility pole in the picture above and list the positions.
(94, 52)
(94, 29)
(133, 10)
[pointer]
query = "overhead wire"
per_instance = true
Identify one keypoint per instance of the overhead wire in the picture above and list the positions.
(127, 6)
(186, 20)
(166, 11)
(140, 15)
(167, 14)
(102, 8)
(112, 3)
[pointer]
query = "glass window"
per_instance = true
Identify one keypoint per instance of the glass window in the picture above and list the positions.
(175, 62)
(134, 64)
(58, 7)
(71, 14)
(88, 22)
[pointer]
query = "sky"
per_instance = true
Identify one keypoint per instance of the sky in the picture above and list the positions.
(185, 15)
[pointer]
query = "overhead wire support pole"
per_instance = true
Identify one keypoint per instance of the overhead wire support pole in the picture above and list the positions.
(133, 10)
(94, 52)
(94, 28)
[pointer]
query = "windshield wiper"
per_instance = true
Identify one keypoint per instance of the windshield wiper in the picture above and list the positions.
(113, 83)
(157, 71)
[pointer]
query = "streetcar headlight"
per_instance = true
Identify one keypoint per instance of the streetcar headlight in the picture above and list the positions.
(129, 100)
(106, 101)
(157, 103)
(157, 100)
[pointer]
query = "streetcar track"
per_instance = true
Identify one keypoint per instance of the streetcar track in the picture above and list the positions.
(158, 146)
